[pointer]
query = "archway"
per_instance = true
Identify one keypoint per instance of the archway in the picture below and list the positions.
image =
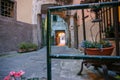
(60, 37)
(59, 24)
(44, 21)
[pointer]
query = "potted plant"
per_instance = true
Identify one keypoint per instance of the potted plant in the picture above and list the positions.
(97, 47)
(103, 47)
(27, 47)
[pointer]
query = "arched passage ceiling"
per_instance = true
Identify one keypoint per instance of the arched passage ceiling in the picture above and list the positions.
(89, 1)
(45, 6)
(65, 1)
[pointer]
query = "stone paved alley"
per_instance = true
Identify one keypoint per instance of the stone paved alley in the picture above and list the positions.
(34, 65)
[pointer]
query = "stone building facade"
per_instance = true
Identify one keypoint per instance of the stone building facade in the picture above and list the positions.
(26, 22)
(13, 28)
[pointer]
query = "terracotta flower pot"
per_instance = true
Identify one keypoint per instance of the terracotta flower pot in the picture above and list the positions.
(95, 51)
(22, 50)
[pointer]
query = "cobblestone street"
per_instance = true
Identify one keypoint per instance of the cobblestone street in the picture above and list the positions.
(34, 65)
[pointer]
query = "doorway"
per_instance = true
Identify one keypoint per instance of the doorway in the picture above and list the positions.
(60, 37)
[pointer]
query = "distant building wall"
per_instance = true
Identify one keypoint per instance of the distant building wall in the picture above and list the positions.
(59, 25)
(13, 33)
(26, 27)
(27, 10)
(88, 24)
(24, 10)
(36, 9)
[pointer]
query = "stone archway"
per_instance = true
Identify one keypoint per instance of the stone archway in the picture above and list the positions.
(60, 37)
(44, 22)
(45, 6)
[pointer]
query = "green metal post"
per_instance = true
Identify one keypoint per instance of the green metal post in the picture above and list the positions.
(48, 41)
(86, 57)
(116, 24)
(84, 6)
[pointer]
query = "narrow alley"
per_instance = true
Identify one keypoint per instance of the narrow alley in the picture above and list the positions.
(34, 65)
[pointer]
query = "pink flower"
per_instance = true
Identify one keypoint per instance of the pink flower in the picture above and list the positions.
(7, 77)
(12, 73)
(19, 73)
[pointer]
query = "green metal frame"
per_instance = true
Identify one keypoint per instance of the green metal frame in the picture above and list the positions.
(73, 56)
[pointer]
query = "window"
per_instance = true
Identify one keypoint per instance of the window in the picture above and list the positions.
(54, 18)
(7, 8)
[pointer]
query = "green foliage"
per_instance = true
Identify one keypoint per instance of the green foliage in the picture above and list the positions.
(105, 43)
(117, 77)
(23, 45)
(28, 46)
(100, 44)
(33, 79)
(109, 31)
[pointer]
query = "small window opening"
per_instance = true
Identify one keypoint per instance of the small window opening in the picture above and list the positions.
(7, 8)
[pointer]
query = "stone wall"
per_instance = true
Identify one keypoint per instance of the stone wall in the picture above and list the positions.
(24, 10)
(12, 33)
